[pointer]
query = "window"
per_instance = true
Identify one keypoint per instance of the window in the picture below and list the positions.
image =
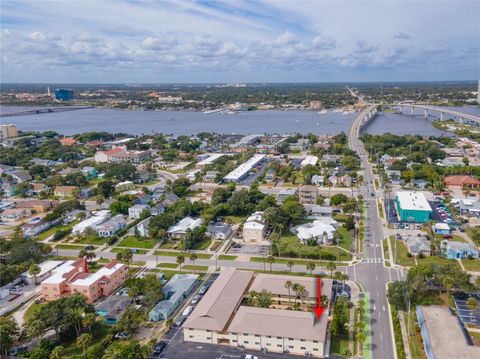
(290, 346)
(245, 342)
(257, 343)
(290, 338)
(302, 340)
(257, 335)
(190, 336)
(303, 348)
(234, 340)
(315, 341)
(268, 344)
(315, 349)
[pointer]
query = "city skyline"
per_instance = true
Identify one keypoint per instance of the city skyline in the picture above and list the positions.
(208, 42)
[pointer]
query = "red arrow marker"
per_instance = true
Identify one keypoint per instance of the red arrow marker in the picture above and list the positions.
(319, 309)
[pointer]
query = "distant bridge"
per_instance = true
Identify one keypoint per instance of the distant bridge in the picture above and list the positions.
(462, 117)
(44, 110)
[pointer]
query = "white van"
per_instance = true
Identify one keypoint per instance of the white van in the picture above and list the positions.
(187, 311)
(16, 290)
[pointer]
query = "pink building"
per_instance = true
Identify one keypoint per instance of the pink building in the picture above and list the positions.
(74, 277)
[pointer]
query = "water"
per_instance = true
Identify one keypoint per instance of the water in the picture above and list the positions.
(188, 123)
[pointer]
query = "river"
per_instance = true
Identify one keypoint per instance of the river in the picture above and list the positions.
(189, 122)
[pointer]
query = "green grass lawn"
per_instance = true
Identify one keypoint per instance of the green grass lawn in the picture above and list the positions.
(134, 242)
(346, 241)
(69, 246)
(138, 251)
(289, 246)
(339, 344)
(100, 331)
(414, 341)
(234, 219)
(44, 235)
(92, 240)
(295, 261)
(200, 246)
(186, 254)
(168, 245)
(471, 264)
(195, 267)
(31, 310)
(215, 245)
(226, 257)
(170, 273)
(283, 272)
(401, 256)
(385, 248)
(438, 260)
(168, 265)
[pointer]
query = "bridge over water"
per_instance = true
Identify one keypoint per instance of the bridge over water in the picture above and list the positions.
(460, 116)
(45, 110)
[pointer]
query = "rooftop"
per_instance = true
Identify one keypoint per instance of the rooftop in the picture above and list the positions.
(244, 168)
(410, 200)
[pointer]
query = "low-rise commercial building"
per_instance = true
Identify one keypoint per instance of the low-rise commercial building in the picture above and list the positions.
(243, 170)
(221, 318)
(413, 207)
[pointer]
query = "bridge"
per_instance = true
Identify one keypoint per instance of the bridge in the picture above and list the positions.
(359, 122)
(462, 117)
(45, 110)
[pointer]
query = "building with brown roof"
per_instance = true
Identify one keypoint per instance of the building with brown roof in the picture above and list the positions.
(64, 191)
(68, 141)
(221, 318)
(462, 182)
(38, 205)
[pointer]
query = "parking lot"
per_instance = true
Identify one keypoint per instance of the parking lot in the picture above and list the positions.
(240, 248)
(440, 213)
(466, 315)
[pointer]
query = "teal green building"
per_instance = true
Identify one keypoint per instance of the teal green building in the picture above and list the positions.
(413, 207)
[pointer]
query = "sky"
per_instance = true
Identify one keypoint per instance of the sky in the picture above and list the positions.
(140, 41)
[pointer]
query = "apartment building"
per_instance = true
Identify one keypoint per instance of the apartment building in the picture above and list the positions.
(221, 318)
(254, 228)
(74, 277)
(118, 154)
(308, 194)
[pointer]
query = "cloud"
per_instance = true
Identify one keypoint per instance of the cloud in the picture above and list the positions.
(402, 36)
(287, 38)
(324, 42)
(161, 42)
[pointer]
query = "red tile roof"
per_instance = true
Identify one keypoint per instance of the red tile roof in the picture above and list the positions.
(461, 181)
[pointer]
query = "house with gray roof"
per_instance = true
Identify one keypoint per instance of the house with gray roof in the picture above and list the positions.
(174, 292)
(418, 245)
(219, 230)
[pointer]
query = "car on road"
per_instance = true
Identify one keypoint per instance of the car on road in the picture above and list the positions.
(196, 299)
(122, 336)
(89, 248)
(17, 350)
(248, 356)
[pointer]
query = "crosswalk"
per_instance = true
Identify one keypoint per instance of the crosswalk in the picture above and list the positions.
(373, 260)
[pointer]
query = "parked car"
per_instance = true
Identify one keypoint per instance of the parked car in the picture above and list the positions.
(179, 321)
(89, 248)
(187, 311)
(203, 290)
(159, 347)
(196, 299)
(17, 350)
(16, 290)
(122, 336)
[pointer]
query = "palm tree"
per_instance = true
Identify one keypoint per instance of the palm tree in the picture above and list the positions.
(337, 276)
(331, 266)
(288, 286)
(180, 260)
(310, 267)
(344, 278)
(83, 341)
(125, 256)
(34, 270)
(88, 321)
(301, 292)
(290, 264)
(57, 353)
(193, 258)
(295, 289)
(472, 305)
(271, 260)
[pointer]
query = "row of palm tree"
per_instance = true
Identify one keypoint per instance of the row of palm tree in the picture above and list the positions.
(299, 290)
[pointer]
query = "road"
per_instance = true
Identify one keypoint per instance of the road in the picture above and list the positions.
(371, 272)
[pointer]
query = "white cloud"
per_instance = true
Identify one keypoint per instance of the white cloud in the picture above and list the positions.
(287, 38)
(161, 42)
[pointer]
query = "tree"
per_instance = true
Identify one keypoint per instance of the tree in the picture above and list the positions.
(125, 256)
(180, 260)
(288, 286)
(34, 270)
(472, 305)
(9, 333)
(106, 188)
(193, 258)
(331, 266)
(264, 299)
(310, 267)
(88, 321)
(83, 341)
(252, 298)
(338, 199)
(130, 320)
(290, 264)
(270, 261)
(57, 353)
(87, 254)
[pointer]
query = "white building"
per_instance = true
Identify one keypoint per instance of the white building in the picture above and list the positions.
(254, 228)
(320, 230)
(95, 219)
(124, 186)
(178, 230)
(46, 270)
(309, 160)
(136, 211)
(242, 171)
(111, 226)
(210, 159)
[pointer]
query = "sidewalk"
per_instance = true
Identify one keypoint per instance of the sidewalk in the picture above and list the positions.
(403, 326)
